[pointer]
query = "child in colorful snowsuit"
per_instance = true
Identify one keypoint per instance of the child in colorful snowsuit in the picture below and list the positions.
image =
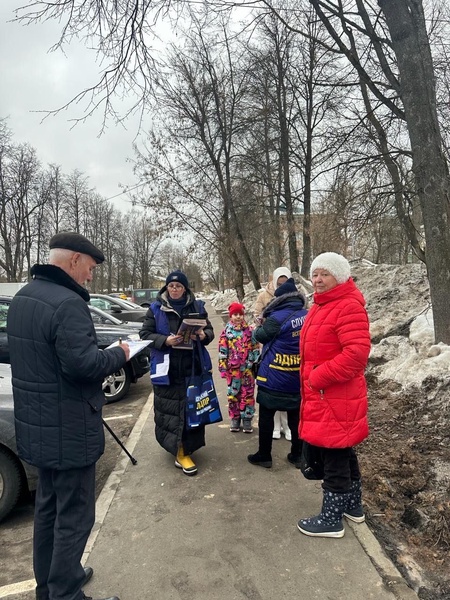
(237, 353)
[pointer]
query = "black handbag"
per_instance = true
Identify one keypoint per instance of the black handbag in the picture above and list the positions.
(311, 464)
(255, 366)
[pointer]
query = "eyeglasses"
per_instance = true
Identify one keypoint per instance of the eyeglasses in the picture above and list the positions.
(175, 286)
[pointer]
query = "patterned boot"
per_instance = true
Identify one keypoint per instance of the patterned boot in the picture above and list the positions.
(247, 425)
(235, 424)
(329, 522)
(354, 510)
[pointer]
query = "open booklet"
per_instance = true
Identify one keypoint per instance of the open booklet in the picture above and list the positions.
(135, 346)
(187, 328)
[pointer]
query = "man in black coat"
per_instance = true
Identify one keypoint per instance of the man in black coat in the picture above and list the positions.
(57, 373)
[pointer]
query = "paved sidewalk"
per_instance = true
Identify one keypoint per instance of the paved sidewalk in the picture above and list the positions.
(228, 533)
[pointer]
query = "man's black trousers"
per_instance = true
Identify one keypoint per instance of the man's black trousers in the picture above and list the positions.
(64, 517)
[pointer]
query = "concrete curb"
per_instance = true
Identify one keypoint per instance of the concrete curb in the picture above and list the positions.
(391, 576)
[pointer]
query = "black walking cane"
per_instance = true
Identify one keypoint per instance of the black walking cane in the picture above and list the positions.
(133, 460)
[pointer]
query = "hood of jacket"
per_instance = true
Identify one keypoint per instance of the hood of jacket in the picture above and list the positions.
(285, 298)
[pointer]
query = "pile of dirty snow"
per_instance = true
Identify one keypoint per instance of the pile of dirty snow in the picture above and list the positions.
(401, 324)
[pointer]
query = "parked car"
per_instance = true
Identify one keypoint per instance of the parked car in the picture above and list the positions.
(122, 309)
(100, 317)
(16, 477)
(116, 386)
(144, 297)
(118, 295)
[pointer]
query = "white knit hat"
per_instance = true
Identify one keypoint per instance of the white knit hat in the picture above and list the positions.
(336, 264)
(280, 272)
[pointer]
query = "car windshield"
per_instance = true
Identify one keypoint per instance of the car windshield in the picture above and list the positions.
(131, 304)
(140, 293)
(3, 314)
(147, 293)
(107, 302)
(98, 316)
(101, 303)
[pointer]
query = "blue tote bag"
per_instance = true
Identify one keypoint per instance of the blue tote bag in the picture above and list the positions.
(202, 404)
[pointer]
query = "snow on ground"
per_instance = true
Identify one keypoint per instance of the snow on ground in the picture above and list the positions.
(411, 359)
(401, 324)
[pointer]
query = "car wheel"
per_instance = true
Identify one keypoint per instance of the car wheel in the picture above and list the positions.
(116, 386)
(10, 483)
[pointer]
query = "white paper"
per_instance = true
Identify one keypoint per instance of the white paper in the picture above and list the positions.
(162, 368)
(135, 347)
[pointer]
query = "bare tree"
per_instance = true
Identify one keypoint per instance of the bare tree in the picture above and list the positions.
(319, 94)
(406, 22)
(201, 99)
(19, 202)
(410, 95)
(394, 32)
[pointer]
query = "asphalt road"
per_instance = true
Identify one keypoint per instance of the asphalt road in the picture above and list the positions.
(17, 530)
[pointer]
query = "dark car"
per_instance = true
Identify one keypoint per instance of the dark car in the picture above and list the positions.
(116, 386)
(145, 296)
(122, 309)
(16, 477)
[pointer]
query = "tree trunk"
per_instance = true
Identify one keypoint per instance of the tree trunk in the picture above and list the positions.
(406, 23)
(285, 162)
(238, 282)
(306, 258)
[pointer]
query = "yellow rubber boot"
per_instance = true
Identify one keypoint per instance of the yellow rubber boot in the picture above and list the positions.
(185, 462)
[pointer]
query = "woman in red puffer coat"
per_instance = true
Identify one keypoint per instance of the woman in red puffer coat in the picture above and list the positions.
(334, 349)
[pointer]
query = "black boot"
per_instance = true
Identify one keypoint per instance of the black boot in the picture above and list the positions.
(88, 572)
(354, 510)
(329, 522)
(260, 460)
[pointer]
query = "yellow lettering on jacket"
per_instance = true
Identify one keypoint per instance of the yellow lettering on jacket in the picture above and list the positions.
(286, 362)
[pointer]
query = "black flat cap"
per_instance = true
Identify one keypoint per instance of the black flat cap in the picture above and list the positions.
(69, 240)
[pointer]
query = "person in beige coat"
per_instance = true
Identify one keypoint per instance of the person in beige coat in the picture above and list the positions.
(279, 276)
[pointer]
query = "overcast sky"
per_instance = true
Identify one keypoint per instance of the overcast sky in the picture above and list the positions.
(32, 79)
